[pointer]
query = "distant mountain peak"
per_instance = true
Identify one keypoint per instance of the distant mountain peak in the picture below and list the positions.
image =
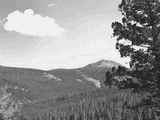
(107, 63)
(104, 63)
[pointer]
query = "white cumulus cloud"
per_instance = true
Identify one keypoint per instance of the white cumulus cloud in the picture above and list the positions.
(29, 23)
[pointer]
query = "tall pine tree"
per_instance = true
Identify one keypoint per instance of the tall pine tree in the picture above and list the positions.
(138, 37)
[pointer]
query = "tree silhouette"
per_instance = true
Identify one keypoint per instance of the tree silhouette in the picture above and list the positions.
(138, 37)
(108, 79)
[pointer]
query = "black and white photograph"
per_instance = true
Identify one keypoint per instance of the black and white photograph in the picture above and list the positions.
(79, 59)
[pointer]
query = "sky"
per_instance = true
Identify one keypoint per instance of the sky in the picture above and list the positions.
(49, 34)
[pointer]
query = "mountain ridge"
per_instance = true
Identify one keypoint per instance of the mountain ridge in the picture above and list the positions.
(32, 68)
(34, 85)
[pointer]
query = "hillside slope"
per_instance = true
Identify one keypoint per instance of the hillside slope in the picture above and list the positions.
(33, 86)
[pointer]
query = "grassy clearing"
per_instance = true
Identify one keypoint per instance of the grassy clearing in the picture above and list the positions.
(106, 104)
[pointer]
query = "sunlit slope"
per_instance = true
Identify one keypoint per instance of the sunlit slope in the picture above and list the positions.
(40, 85)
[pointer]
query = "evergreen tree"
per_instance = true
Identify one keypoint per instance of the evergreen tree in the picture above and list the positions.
(138, 37)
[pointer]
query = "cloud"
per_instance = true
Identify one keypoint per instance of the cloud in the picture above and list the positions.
(29, 23)
(51, 5)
